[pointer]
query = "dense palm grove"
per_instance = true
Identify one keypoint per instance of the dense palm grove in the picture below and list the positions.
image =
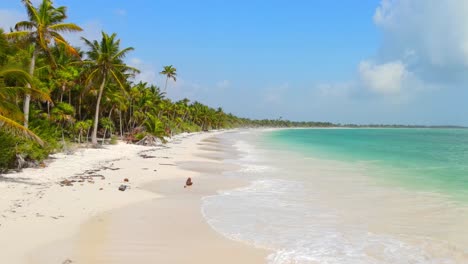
(53, 94)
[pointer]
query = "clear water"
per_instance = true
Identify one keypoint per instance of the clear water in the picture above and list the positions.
(339, 196)
(433, 159)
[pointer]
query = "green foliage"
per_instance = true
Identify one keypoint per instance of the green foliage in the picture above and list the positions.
(81, 129)
(114, 140)
(107, 123)
(69, 94)
(155, 126)
(105, 63)
(140, 136)
(49, 132)
(63, 112)
(170, 72)
(8, 153)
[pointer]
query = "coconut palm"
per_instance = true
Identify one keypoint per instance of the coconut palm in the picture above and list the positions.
(9, 112)
(3, 46)
(82, 127)
(170, 73)
(44, 26)
(105, 62)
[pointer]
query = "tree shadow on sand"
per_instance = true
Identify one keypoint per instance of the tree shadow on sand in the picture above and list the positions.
(21, 180)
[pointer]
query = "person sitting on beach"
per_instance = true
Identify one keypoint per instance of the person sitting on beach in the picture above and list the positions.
(188, 182)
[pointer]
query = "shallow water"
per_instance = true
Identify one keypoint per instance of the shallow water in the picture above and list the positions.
(315, 204)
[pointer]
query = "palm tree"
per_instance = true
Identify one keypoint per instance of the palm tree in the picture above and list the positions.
(3, 46)
(105, 62)
(170, 72)
(8, 109)
(44, 26)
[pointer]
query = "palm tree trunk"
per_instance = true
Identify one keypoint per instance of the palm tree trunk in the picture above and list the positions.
(79, 107)
(96, 115)
(62, 92)
(87, 135)
(120, 125)
(104, 137)
(165, 86)
(27, 97)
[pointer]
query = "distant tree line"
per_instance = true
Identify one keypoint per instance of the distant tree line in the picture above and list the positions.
(53, 94)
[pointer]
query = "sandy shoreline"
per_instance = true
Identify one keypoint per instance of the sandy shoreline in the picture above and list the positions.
(43, 222)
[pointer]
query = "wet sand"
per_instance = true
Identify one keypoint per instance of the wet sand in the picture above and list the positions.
(169, 229)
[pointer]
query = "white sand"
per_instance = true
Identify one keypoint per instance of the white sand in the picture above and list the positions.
(35, 210)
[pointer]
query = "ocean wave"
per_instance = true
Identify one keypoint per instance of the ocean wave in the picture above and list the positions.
(277, 214)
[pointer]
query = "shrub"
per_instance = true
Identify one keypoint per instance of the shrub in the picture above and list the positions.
(7, 151)
(113, 140)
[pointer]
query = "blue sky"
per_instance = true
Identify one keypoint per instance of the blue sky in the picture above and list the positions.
(366, 61)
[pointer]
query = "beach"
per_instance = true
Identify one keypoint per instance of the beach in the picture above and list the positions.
(259, 196)
(91, 221)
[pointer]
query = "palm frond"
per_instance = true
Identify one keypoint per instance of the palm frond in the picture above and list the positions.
(24, 26)
(68, 48)
(32, 11)
(17, 34)
(127, 68)
(121, 54)
(20, 74)
(14, 128)
(117, 78)
(66, 27)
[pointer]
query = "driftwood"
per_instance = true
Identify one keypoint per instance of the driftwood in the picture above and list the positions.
(24, 163)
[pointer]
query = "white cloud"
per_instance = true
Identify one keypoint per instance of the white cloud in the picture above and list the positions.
(434, 32)
(384, 78)
(424, 47)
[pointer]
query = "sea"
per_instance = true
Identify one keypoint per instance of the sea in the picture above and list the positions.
(348, 196)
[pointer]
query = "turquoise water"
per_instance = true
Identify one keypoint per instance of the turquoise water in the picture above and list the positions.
(433, 159)
(348, 196)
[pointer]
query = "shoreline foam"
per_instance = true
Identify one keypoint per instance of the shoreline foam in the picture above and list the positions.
(165, 227)
(35, 211)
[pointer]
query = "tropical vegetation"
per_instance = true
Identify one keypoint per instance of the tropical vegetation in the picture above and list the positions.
(53, 95)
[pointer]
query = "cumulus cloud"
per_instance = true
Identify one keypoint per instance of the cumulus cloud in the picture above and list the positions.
(424, 47)
(384, 78)
(431, 36)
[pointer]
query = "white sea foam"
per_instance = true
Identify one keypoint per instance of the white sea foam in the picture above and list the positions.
(307, 211)
(250, 153)
(266, 215)
(251, 160)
